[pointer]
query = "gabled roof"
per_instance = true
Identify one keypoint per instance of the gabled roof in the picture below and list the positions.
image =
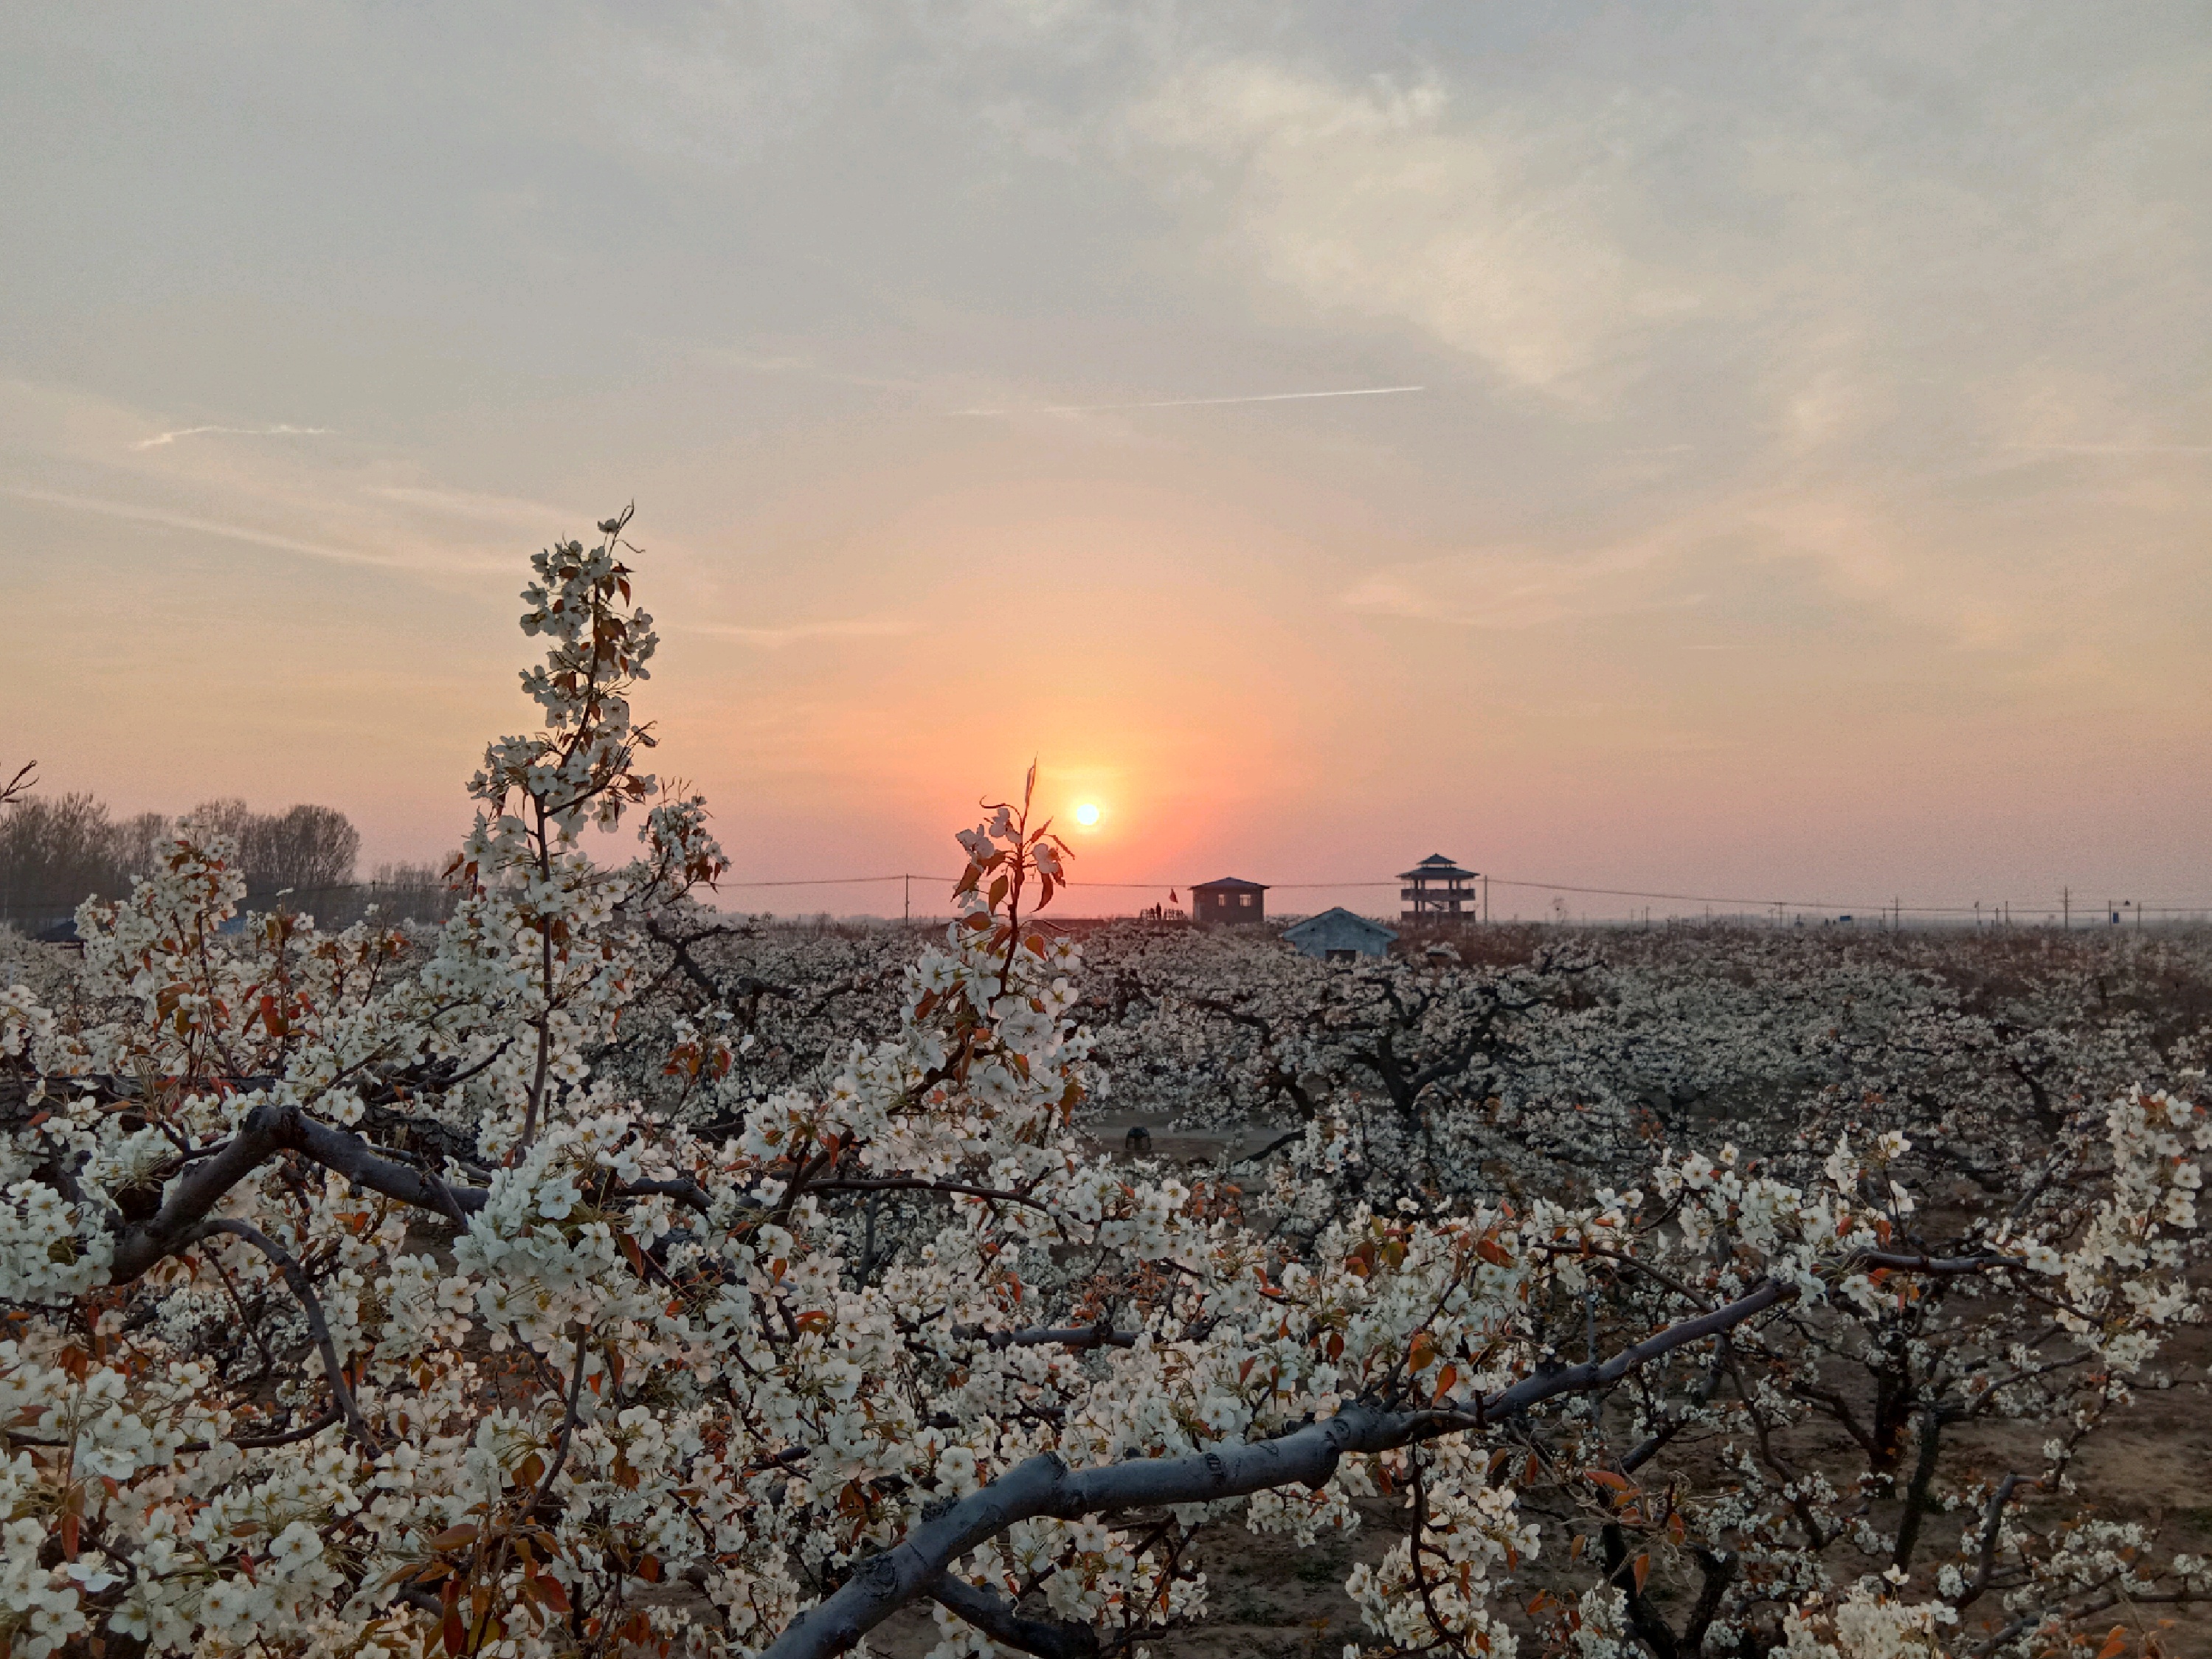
(1232, 882)
(1338, 918)
(1435, 867)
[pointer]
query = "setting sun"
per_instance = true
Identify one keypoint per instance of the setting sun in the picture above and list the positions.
(1086, 814)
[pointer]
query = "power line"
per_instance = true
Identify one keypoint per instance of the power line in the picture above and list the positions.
(1811, 905)
(838, 881)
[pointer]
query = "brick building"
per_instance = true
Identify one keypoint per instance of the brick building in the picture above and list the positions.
(1231, 900)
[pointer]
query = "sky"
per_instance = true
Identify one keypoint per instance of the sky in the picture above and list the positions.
(1783, 465)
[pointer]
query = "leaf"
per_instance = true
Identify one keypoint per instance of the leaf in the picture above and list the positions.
(454, 1538)
(1643, 1571)
(454, 1632)
(2115, 1644)
(1422, 1354)
(552, 1593)
(1608, 1479)
(530, 1471)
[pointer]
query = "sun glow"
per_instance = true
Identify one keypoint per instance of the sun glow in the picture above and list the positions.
(1086, 815)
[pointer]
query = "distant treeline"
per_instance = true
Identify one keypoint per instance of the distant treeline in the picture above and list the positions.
(57, 851)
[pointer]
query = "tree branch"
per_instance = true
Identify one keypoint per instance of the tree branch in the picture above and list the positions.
(268, 1130)
(1915, 1493)
(1048, 1638)
(1992, 1519)
(296, 1277)
(1644, 1618)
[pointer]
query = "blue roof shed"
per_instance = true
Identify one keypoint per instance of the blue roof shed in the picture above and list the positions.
(1338, 936)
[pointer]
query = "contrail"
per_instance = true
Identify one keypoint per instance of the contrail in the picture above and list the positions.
(1200, 403)
(133, 513)
(2117, 449)
(238, 432)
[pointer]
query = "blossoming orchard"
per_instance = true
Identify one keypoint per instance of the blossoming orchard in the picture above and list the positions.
(599, 1274)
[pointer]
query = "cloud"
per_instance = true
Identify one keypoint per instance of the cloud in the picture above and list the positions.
(135, 513)
(1501, 235)
(65, 448)
(774, 639)
(163, 439)
(1201, 403)
(2115, 449)
(1511, 587)
(471, 504)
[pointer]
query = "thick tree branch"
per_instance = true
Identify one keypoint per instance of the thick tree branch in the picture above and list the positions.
(1718, 1572)
(1932, 1421)
(268, 1130)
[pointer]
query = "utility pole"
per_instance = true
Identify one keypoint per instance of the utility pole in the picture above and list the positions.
(2066, 906)
(909, 901)
(1485, 898)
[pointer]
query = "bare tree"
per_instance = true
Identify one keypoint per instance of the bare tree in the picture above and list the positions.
(307, 851)
(55, 853)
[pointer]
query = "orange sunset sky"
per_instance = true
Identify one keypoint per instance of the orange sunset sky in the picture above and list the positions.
(1785, 464)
